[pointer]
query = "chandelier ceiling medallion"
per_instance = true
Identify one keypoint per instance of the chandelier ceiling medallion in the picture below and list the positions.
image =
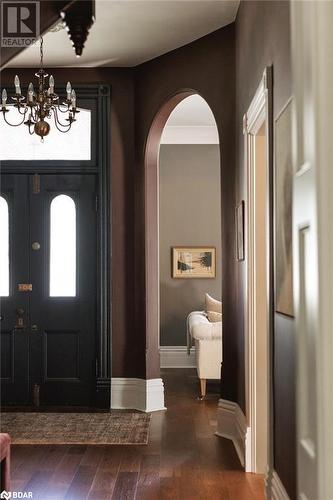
(42, 103)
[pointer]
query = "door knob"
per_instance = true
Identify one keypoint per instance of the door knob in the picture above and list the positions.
(34, 328)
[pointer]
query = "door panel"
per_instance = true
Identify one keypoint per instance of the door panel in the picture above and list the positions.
(60, 335)
(15, 341)
(63, 333)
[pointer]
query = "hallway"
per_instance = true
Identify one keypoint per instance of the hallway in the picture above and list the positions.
(183, 460)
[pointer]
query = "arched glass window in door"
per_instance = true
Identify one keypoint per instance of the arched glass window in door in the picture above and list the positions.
(63, 247)
(4, 248)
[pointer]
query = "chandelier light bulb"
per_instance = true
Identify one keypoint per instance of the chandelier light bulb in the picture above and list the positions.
(31, 87)
(73, 98)
(68, 90)
(17, 85)
(4, 97)
(51, 84)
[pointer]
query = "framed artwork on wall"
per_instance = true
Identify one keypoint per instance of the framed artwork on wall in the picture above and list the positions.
(240, 252)
(283, 213)
(193, 262)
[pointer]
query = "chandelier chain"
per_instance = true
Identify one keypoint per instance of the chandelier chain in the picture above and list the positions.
(41, 53)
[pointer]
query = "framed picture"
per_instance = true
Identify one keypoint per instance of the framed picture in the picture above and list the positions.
(240, 252)
(193, 262)
(283, 213)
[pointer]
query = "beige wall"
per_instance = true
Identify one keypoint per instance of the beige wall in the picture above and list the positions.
(190, 214)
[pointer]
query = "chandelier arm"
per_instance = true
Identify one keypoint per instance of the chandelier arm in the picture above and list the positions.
(65, 110)
(25, 110)
(13, 124)
(58, 122)
(63, 131)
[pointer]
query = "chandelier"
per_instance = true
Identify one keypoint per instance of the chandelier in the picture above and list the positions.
(42, 103)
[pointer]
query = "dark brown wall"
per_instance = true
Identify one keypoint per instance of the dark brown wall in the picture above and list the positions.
(207, 67)
(262, 39)
(126, 361)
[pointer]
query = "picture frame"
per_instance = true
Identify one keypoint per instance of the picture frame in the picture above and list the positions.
(193, 262)
(283, 174)
(239, 216)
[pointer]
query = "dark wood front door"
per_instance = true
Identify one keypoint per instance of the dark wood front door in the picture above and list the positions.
(48, 303)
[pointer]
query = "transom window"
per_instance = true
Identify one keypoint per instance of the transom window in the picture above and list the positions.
(17, 144)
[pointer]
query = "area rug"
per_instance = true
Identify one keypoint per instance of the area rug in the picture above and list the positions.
(116, 427)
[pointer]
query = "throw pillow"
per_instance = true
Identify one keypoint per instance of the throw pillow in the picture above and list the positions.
(213, 305)
(214, 317)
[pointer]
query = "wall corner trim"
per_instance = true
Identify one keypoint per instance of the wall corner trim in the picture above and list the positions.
(231, 424)
(137, 394)
(278, 491)
(174, 356)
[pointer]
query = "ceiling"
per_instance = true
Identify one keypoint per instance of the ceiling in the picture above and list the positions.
(192, 111)
(191, 122)
(129, 32)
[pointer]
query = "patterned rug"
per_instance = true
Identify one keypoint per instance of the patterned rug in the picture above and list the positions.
(116, 427)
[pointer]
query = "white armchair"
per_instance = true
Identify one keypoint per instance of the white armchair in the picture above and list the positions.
(207, 337)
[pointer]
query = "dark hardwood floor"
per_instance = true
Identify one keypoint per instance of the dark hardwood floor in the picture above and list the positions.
(184, 460)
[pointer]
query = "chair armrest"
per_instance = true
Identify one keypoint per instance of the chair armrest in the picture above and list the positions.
(200, 328)
(207, 331)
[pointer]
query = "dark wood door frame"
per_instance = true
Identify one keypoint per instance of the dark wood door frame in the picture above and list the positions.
(96, 98)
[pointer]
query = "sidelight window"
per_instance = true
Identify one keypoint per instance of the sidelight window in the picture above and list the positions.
(4, 248)
(62, 247)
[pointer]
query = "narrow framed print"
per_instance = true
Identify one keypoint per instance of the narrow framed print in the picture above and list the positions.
(240, 252)
(283, 212)
(193, 262)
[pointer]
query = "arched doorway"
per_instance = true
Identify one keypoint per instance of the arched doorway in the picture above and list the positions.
(152, 253)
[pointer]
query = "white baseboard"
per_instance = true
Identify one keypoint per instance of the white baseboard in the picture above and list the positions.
(231, 424)
(277, 489)
(173, 356)
(137, 394)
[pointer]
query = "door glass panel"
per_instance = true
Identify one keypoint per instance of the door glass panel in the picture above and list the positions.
(63, 247)
(4, 248)
(73, 145)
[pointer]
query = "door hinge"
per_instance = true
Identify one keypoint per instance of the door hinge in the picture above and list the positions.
(36, 184)
(96, 368)
(96, 203)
